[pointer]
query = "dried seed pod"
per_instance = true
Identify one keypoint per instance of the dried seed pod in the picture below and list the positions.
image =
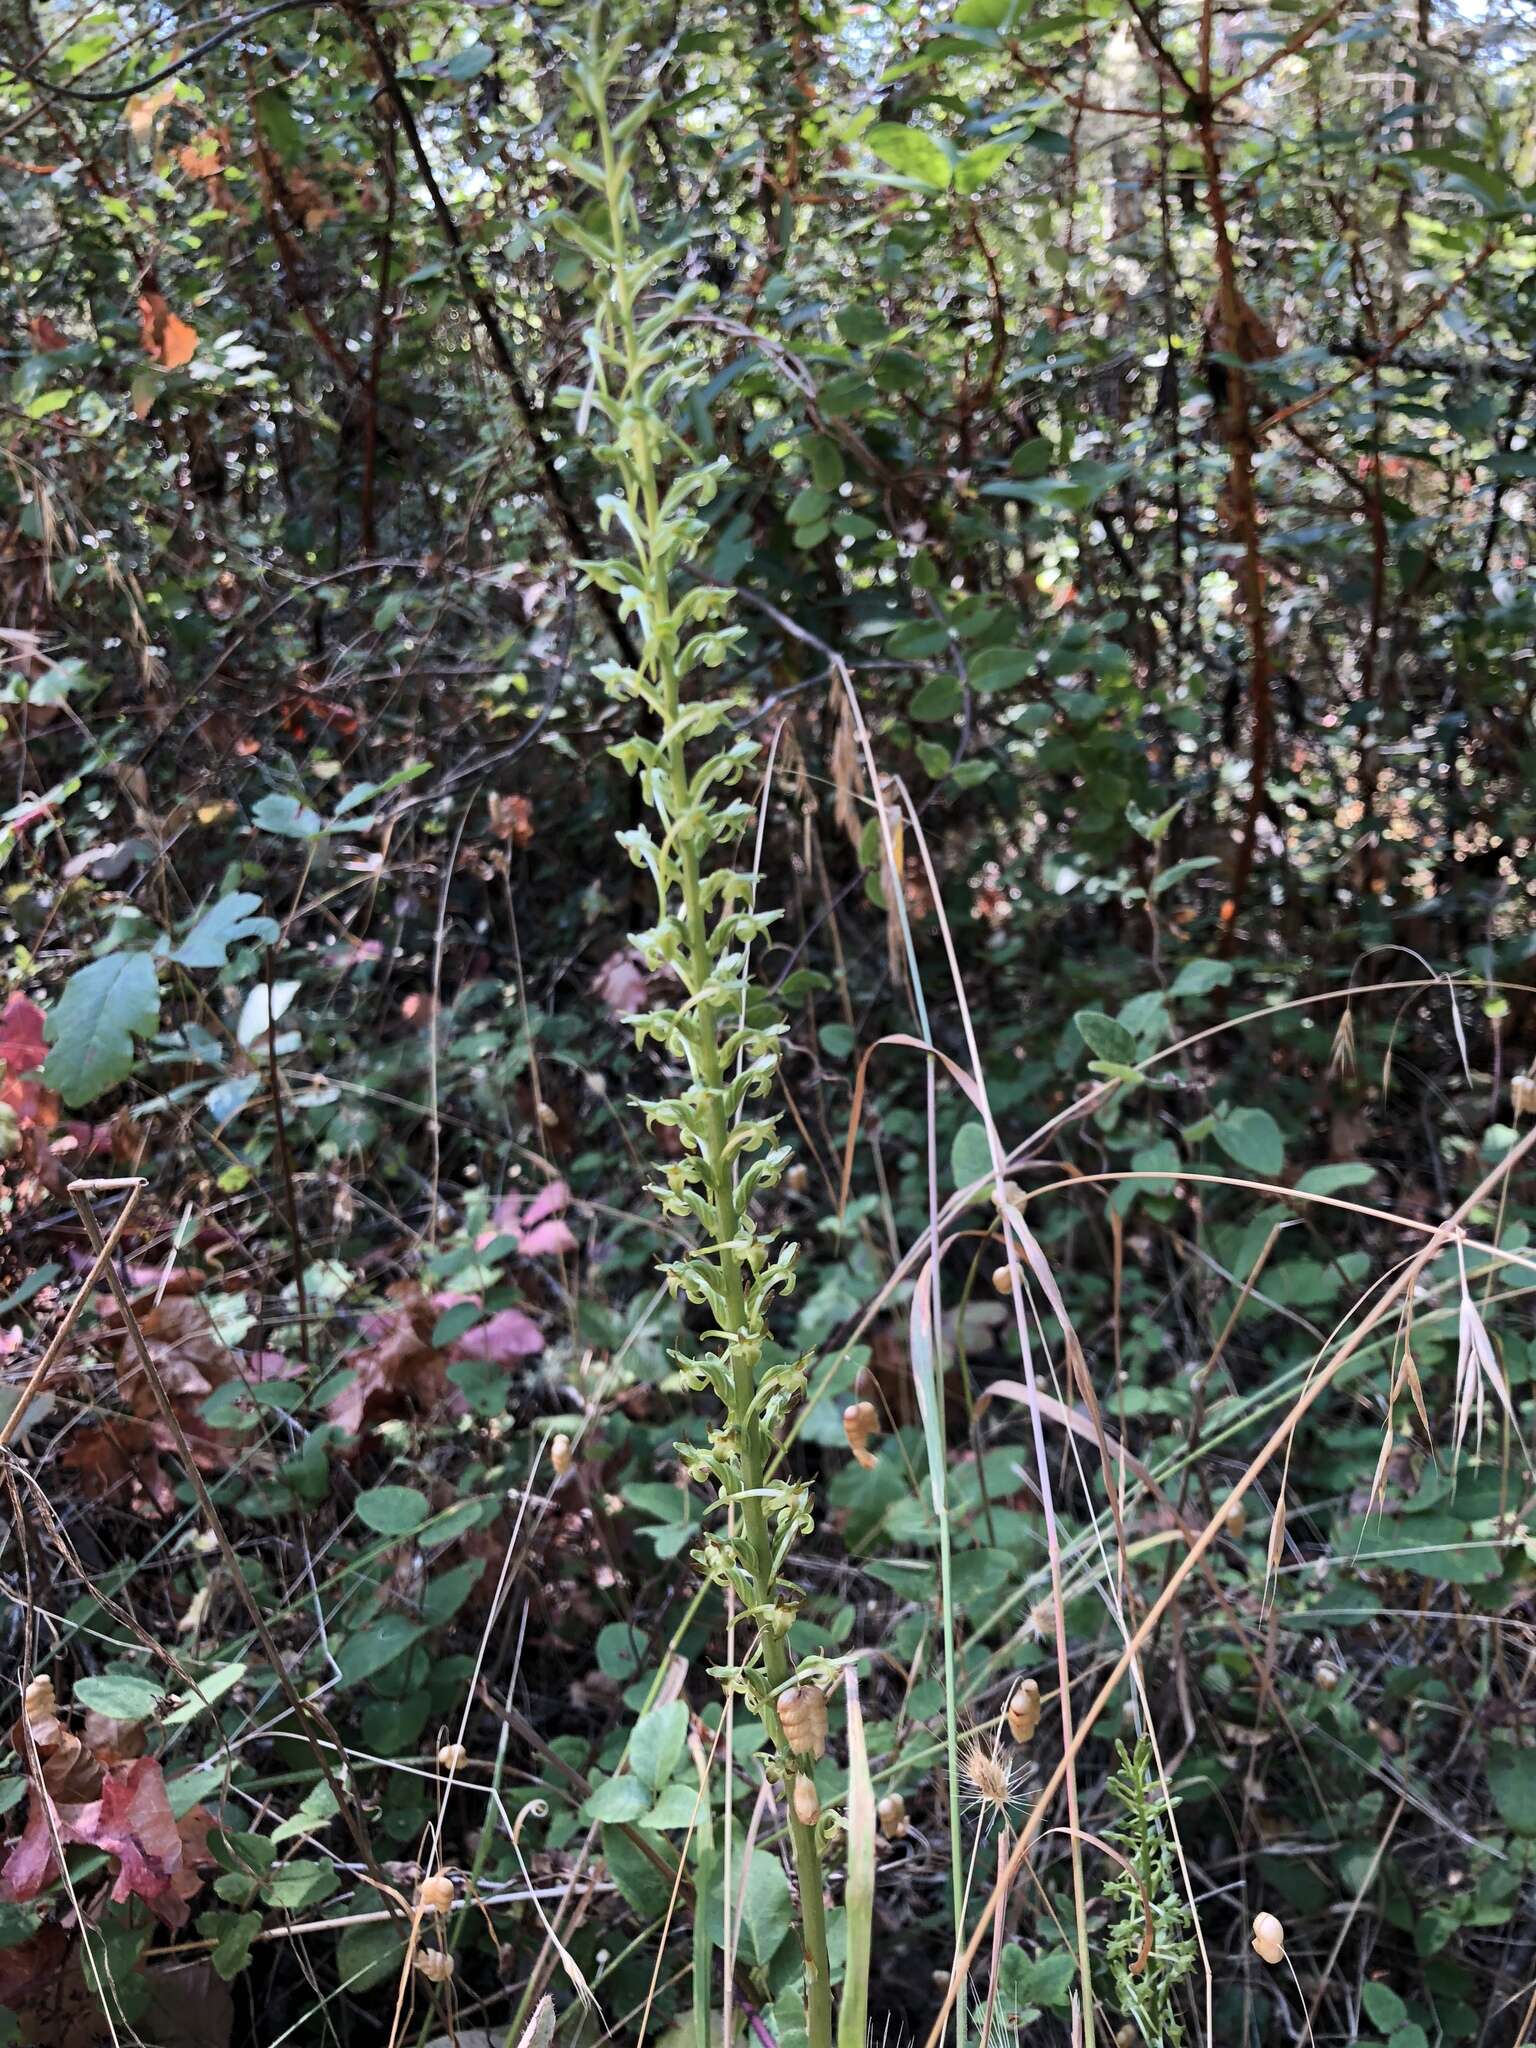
(803, 1717)
(860, 1423)
(1326, 1676)
(38, 1702)
(435, 1964)
(560, 1454)
(453, 1756)
(1275, 1556)
(1522, 1094)
(892, 1815)
(1024, 1709)
(1235, 1520)
(1127, 2036)
(797, 1178)
(1268, 1938)
(435, 1893)
(807, 1806)
(1002, 1280)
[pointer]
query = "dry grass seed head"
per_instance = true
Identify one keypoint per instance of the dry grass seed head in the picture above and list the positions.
(990, 1774)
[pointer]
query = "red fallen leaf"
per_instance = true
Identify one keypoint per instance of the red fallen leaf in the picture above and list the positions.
(166, 338)
(399, 1371)
(45, 337)
(22, 1045)
(32, 1966)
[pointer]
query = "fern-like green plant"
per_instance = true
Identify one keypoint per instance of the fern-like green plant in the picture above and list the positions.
(716, 1033)
(1148, 1996)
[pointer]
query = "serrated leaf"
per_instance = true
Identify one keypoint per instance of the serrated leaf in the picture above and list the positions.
(91, 1028)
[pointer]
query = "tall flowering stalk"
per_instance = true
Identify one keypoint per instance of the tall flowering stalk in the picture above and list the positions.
(687, 768)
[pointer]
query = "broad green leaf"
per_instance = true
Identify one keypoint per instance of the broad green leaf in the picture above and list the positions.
(1202, 977)
(1512, 1781)
(912, 154)
(980, 165)
(1101, 1034)
(119, 1697)
(1383, 2006)
(970, 1156)
(1252, 1139)
(91, 1028)
(376, 1647)
(231, 921)
(765, 1907)
(657, 1743)
(392, 1510)
(288, 818)
(616, 1799)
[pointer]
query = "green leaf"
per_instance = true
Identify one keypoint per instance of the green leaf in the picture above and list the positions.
(1330, 1180)
(1200, 977)
(1383, 2006)
(970, 1156)
(657, 1743)
(1101, 1034)
(232, 1935)
(766, 1909)
(939, 698)
(912, 154)
(615, 1800)
(210, 1689)
(393, 1510)
(996, 668)
(91, 1028)
(316, 1807)
(1252, 1138)
(376, 1647)
(304, 1883)
(1171, 876)
(640, 1883)
(119, 1697)
(287, 817)
(226, 924)
(981, 165)
(1512, 1782)
(365, 1956)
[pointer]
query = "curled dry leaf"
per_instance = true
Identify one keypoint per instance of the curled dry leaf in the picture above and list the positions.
(166, 338)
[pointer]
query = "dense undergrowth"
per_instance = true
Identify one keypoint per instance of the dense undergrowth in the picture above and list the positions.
(967, 569)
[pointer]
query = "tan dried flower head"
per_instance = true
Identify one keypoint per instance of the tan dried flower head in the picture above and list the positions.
(892, 1814)
(435, 1964)
(990, 1775)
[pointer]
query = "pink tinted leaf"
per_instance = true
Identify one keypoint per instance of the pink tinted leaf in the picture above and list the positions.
(30, 1864)
(133, 1822)
(547, 1202)
(507, 1336)
(546, 1238)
